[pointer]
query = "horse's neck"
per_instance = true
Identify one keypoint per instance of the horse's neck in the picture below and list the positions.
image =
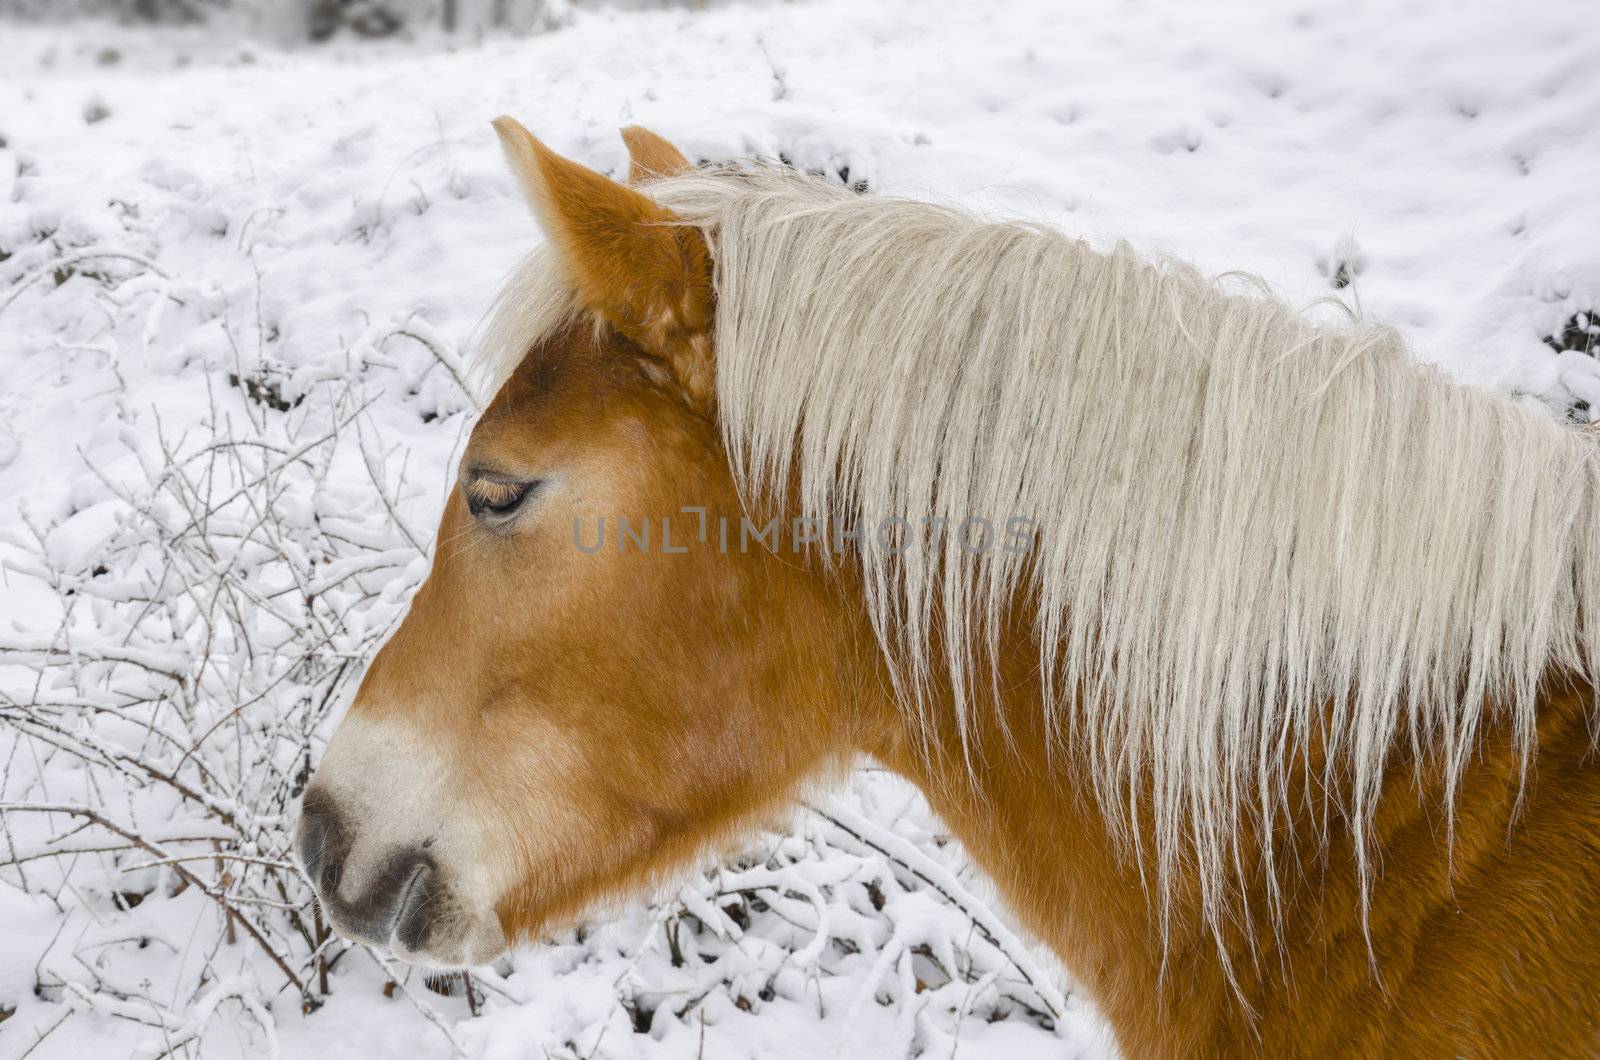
(1028, 818)
(1030, 822)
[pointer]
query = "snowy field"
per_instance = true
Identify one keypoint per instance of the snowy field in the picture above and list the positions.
(238, 288)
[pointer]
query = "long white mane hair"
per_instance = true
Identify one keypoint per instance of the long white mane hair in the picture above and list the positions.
(1255, 534)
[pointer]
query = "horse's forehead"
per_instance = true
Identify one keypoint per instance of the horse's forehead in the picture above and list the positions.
(573, 389)
(554, 377)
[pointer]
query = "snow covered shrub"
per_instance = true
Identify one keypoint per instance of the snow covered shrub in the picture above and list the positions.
(365, 18)
(298, 21)
(169, 12)
(1579, 333)
(212, 612)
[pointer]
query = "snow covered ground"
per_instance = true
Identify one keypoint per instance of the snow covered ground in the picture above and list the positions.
(237, 290)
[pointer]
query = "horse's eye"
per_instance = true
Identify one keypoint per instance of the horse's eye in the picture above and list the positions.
(489, 497)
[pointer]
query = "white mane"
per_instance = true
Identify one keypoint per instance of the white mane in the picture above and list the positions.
(1255, 533)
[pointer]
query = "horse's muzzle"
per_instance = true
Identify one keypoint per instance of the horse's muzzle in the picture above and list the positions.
(400, 899)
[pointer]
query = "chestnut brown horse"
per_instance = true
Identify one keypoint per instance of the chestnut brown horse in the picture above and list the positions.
(1253, 666)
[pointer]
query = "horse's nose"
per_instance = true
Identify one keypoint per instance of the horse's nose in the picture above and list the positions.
(388, 901)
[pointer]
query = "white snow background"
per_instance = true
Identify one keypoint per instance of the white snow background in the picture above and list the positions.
(238, 287)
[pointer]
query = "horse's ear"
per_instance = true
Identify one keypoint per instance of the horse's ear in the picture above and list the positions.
(634, 262)
(651, 156)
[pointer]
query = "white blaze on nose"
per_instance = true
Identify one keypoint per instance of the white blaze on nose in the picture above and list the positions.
(394, 791)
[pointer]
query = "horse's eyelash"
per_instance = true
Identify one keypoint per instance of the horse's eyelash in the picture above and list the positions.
(492, 493)
(496, 497)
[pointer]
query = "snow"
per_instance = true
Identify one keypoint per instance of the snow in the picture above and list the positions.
(264, 268)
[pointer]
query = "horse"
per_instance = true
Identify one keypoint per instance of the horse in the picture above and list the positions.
(1250, 657)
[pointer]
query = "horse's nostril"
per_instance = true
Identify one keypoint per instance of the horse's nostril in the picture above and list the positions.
(320, 841)
(308, 844)
(412, 916)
